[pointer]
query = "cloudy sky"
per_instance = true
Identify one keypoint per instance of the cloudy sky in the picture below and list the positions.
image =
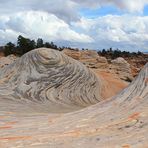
(93, 24)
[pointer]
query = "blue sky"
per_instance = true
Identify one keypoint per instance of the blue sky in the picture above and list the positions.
(93, 24)
(145, 11)
(105, 10)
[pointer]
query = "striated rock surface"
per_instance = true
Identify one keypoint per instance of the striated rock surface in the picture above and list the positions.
(121, 121)
(121, 67)
(50, 77)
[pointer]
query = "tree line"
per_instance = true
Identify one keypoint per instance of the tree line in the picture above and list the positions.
(113, 54)
(25, 45)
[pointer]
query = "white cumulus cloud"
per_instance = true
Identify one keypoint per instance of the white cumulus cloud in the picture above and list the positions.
(125, 31)
(36, 24)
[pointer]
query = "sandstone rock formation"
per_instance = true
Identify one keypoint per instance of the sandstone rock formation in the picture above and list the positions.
(121, 67)
(90, 58)
(48, 76)
(75, 54)
(121, 121)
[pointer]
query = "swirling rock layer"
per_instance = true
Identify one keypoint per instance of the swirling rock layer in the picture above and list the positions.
(120, 122)
(48, 76)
